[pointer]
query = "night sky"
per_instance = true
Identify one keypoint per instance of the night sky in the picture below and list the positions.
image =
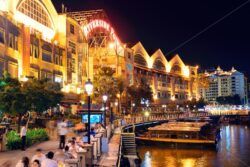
(166, 24)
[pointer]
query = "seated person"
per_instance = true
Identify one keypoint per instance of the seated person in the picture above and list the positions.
(67, 154)
(73, 149)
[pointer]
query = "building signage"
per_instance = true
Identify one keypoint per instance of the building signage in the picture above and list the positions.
(100, 24)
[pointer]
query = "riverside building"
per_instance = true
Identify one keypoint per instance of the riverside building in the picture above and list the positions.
(68, 48)
(225, 83)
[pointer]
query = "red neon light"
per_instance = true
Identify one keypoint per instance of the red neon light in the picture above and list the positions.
(103, 24)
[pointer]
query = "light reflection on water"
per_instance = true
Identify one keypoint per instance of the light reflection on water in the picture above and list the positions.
(233, 151)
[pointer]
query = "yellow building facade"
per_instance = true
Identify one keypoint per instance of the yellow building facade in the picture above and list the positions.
(38, 42)
(68, 48)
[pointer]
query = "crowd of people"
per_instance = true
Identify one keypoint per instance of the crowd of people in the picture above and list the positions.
(67, 149)
(39, 160)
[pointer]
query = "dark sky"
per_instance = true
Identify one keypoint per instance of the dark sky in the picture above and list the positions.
(166, 24)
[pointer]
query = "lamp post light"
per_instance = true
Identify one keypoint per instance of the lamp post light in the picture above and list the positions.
(89, 90)
(119, 101)
(146, 114)
(104, 98)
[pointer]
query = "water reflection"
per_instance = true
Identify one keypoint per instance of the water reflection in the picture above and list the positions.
(233, 151)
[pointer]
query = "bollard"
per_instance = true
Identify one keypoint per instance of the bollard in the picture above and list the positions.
(98, 137)
(94, 141)
(71, 163)
(81, 156)
(89, 154)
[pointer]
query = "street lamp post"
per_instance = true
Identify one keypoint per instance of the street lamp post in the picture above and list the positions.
(104, 98)
(119, 102)
(89, 90)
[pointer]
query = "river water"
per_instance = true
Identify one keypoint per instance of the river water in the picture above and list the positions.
(233, 150)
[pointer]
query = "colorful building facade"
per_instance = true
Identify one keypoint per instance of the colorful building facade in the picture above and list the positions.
(68, 48)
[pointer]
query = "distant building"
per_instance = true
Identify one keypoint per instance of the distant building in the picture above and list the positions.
(225, 83)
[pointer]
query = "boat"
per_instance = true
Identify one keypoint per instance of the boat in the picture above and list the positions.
(182, 132)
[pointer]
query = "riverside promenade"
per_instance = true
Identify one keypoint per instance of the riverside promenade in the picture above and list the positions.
(14, 156)
(110, 159)
(106, 160)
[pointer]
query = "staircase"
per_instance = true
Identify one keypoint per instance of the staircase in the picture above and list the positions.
(128, 144)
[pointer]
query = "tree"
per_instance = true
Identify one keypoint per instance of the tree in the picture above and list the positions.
(232, 100)
(140, 92)
(12, 98)
(18, 98)
(105, 83)
(42, 94)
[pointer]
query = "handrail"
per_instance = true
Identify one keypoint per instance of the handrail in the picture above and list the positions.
(118, 163)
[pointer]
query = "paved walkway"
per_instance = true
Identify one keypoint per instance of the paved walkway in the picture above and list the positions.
(109, 159)
(16, 155)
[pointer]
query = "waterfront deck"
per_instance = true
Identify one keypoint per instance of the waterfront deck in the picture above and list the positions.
(168, 140)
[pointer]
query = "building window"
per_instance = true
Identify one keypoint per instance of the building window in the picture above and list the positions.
(158, 65)
(34, 51)
(60, 60)
(72, 29)
(72, 46)
(34, 10)
(139, 59)
(73, 65)
(46, 56)
(2, 36)
(13, 41)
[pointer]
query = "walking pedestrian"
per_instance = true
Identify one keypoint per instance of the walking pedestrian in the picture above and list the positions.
(23, 136)
(62, 133)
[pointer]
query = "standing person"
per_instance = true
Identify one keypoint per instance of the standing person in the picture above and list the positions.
(23, 136)
(62, 132)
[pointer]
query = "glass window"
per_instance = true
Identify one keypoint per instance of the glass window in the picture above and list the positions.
(72, 29)
(139, 59)
(11, 40)
(158, 65)
(72, 46)
(34, 10)
(2, 36)
(46, 56)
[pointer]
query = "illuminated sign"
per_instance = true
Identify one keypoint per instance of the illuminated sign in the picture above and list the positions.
(100, 24)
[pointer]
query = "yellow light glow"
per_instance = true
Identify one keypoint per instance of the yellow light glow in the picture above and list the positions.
(118, 95)
(47, 33)
(146, 113)
(188, 162)
(186, 71)
(78, 90)
(24, 79)
(150, 62)
(173, 98)
(155, 97)
(111, 45)
(3, 5)
(168, 67)
(67, 88)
